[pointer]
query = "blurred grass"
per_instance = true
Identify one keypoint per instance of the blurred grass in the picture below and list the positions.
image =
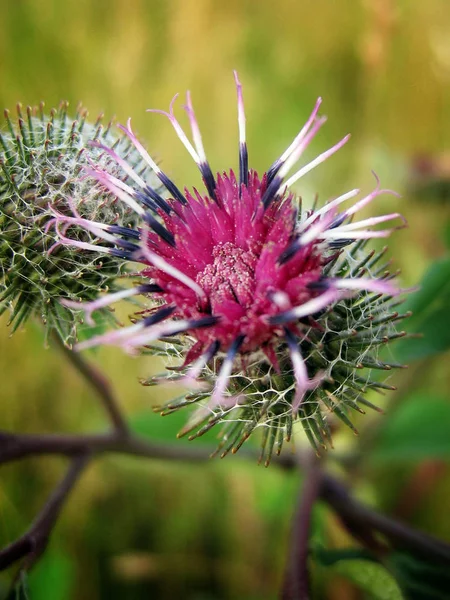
(133, 530)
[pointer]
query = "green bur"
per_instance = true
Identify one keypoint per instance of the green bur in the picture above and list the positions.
(42, 162)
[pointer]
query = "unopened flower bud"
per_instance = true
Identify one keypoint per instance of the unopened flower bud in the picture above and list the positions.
(44, 168)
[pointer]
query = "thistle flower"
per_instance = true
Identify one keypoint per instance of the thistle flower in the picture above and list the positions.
(272, 310)
(41, 161)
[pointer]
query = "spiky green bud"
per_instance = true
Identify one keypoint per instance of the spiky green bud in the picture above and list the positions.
(42, 168)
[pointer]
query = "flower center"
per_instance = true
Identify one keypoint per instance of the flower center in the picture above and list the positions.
(230, 277)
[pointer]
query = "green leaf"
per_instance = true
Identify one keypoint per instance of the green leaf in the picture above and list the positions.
(328, 558)
(420, 579)
(417, 430)
(53, 577)
(415, 577)
(434, 283)
(371, 577)
(431, 317)
(359, 567)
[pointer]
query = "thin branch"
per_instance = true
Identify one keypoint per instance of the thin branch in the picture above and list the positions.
(33, 543)
(360, 519)
(98, 382)
(297, 581)
(18, 446)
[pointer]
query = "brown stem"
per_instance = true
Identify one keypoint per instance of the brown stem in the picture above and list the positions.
(296, 583)
(362, 522)
(35, 540)
(98, 382)
(33, 543)
(18, 446)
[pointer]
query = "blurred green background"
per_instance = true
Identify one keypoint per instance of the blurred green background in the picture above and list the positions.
(137, 529)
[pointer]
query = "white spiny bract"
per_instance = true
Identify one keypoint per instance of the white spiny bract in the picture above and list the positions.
(43, 158)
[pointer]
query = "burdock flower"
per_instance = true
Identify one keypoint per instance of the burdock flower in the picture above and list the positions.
(274, 312)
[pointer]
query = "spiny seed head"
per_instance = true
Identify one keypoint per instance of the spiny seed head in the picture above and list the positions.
(43, 160)
(272, 313)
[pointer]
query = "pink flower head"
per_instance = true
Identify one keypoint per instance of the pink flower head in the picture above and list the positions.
(262, 295)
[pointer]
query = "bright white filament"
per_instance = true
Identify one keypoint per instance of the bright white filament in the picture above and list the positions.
(140, 148)
(317, 161)
(178, 129)
(161, 264)
(241, 111)
(90, 307)
(196, 135)
(122, 163)
(300, 136)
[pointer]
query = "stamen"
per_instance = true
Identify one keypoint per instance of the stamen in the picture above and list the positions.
(148, 196)
(274, 188)
(367, 199)
(63, 240)
(280, 298)
(98, 173)
(160, 263)
(121, 162)
(98, 229)
(196, 135)
(300, 372)
(120, 337)
(168, 329)
(158, 199)
(336, 234)
(243, 152)
(146, 200)
(314, 232)
(112, 184)
(150, 288)
(225, 371)
(329, 206)
(159, 315)
(106, 180)
(369, 285)
(307, 309)
(110, 338)
(204, 167)
(160, 230)
(123, 254)
(339, 244)
(195, 370)
(90, 307)
(277, 164)
(300, 148)
(178, 129)
(125, 231)
(171, 187)
(374, 221)
(155, 225)
(321, 158)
